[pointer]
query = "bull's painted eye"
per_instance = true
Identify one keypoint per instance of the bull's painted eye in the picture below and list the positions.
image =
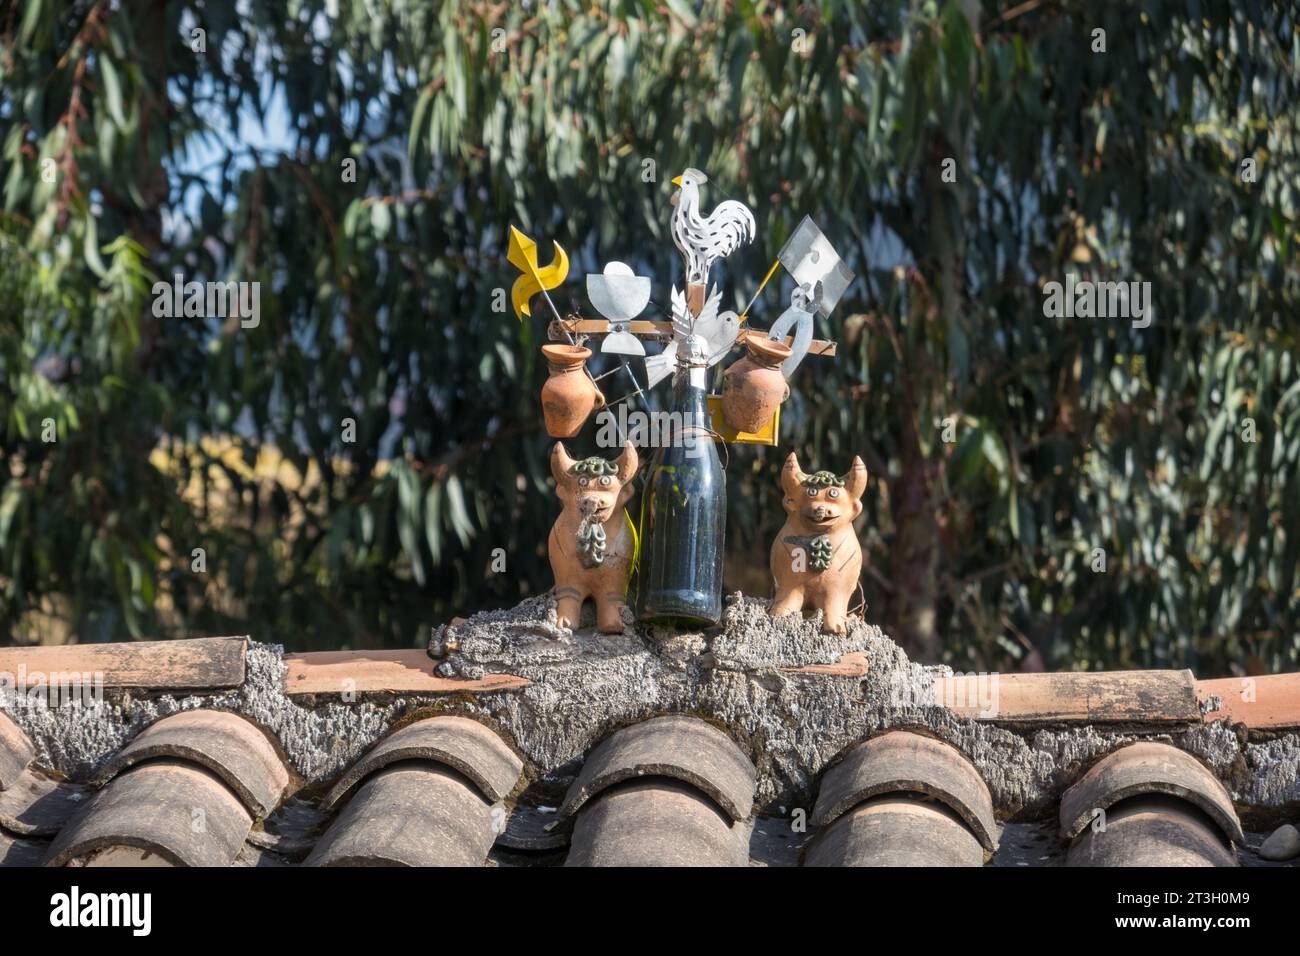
(583, 481)
(833, 493)
(606, 481)
(812, 492)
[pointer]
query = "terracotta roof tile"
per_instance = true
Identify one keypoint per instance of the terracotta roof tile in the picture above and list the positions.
(253, 855)
(1153, 830)
(290, 831)
(225, 743)
(853, 664)
(1268, 702)
(668, 791)
(901, 762)
(896, 830)
(16, 751)
(387, 672)
(1147, 768)
(202, 663)
(681, 748)
(15, 851)
(427, 795)
(180, 813)
(1142, 697)
(416, 813)
(531, 829)
(459, 743)
(656, 822)
(37, 805)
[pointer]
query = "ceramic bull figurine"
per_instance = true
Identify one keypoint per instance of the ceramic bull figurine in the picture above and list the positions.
(593, 544)
(816, 558)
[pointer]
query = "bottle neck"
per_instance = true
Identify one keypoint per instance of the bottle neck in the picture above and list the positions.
(690, 391)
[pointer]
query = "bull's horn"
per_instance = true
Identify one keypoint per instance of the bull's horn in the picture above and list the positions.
(855, 479)
(627, 463)
(561, 463)
(792, 476)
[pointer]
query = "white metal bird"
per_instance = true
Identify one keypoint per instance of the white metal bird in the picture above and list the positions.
(704, 241)
(714, 331)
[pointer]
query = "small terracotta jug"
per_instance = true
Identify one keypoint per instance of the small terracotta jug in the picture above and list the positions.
(569, 395)
(753, 388)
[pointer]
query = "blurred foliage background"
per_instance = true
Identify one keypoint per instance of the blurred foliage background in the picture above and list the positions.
(1008, 450)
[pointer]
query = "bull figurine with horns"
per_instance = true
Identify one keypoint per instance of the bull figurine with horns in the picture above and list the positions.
(816, 558)
(592, 546)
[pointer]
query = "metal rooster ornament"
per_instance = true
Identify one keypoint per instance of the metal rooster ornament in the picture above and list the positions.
(703, 241)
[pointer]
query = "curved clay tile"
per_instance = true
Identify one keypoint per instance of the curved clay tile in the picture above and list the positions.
(16, 752)
(37, 805)
(176, 812)
(19, 852)
(656, 822)
(414, 813)
(680, 748)
(1147, 768)
(1152, 830)
(904, 762)
(234, 749)
(896, 831)
(464, 745)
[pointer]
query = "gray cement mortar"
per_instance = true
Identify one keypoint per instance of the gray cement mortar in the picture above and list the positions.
(318, 741)
(587, 684)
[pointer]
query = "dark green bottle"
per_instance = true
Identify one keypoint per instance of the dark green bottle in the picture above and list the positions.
(684, 508)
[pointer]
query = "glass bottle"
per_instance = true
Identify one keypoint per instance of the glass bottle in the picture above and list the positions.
(684, 507)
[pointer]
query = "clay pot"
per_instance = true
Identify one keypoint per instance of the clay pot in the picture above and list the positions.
(754, 387)
(569, 395)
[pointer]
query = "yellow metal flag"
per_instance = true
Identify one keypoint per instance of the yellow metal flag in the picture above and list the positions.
(522, 255)
(767, 435)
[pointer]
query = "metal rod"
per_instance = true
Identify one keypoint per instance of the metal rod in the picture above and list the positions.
(760, 290)
(623, 399)
(638, 391)
(556, 313)
(632, 374)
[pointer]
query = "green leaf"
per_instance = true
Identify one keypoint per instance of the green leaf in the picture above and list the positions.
(460, 522)
(381, 218)
(9, 507)
(433, 521)
(31, 19)
(112, 90)
(90, 247)
(417, 120)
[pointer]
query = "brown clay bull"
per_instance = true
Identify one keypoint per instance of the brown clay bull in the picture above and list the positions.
(592, 544)
(816, 558)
